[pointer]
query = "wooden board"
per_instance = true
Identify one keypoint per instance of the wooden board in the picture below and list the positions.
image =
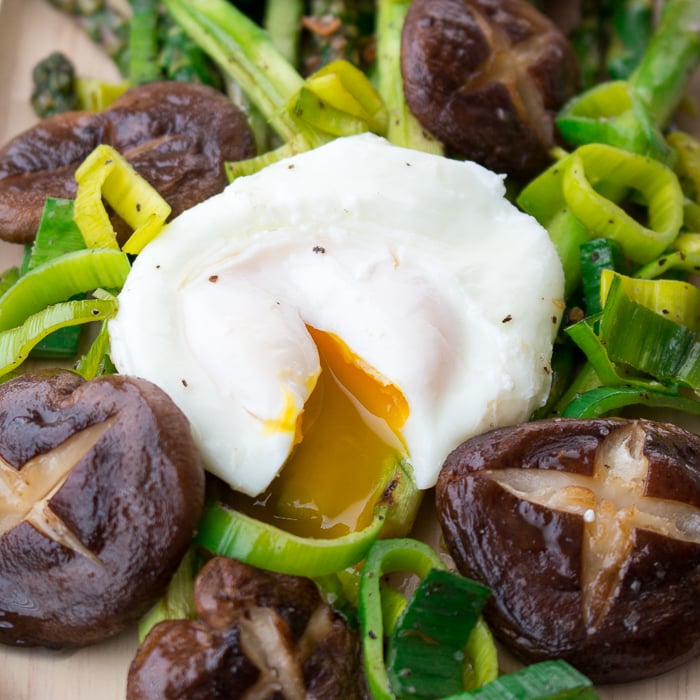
(30, 30)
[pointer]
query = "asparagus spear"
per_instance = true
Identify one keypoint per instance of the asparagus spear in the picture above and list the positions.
(404, 129)
(283, 23)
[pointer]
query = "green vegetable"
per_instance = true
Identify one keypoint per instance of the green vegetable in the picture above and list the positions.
(247, 55)
(58, 280)
(17, 342)
(403, 128)
(106, 175)
(143, 42)
(57, 234)
(633, 25)
(610, 399)
(386, 557)
(425, 656)
(597, 255)
(582, 195)
(337, 100)
(283, 23)
(178, 601)
(225, 531)
(547, 680)
(96, 361)
(631, 113)
(649, 342)
(643, 349)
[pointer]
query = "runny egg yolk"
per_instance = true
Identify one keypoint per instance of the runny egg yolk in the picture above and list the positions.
(348, 444)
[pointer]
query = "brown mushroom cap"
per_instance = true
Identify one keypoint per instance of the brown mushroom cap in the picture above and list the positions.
(177, 135)
(588, 534)
(486, 78)
(258, 634)
(102, 488)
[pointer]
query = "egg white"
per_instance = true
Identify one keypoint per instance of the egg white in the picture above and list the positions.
(417, 262)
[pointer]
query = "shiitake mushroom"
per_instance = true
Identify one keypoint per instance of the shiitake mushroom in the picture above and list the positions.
(486, 78)
(588, 534)
(257, 634)
(177, 135)
(101, 488)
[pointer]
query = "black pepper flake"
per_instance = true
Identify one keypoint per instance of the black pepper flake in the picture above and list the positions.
(158, 266)
(95, 312)
(213, 278)
(665, 312)
(509, 317)
(290, 166)
(408, 164)
(138, 206)
(184, 382)
(662, 261)
(371, 634)
(319, 249)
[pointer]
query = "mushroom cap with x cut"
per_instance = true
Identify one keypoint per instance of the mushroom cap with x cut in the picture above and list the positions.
(588, 534)
(101, 488)
(486, 78)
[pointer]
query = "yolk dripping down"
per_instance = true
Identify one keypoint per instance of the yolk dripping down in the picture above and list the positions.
(348, 443)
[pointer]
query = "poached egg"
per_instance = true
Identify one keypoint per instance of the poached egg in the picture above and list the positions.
(348, 306)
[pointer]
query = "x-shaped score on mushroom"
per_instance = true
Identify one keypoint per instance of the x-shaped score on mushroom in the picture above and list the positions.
(27, 491)
(613, 505)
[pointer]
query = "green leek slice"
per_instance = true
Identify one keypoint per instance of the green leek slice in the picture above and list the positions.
(408, 556)
(178, 601)
(225, 531)
(425, 655)
(56, 235)
(584, 335)
(674, 299)
(106, 175)
(603, 217)
(96, 361)
(610, 399)
(342, 86)
(597, 256)
(649, 342)
(611, 113)
(60, 279)
(17, 342)
(547, 680)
